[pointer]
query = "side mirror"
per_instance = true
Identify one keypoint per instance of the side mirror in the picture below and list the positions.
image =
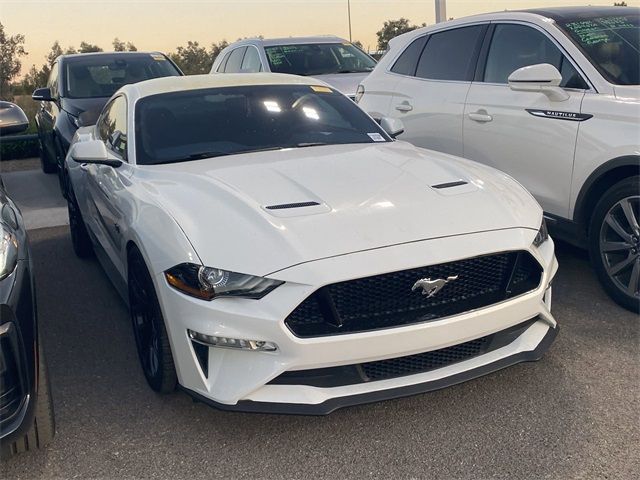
(543, 78)
(393, 126)
(42, 94)
(12, 119)
(92, 151)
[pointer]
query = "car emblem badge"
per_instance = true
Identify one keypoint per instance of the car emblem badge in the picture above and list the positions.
(431, 287)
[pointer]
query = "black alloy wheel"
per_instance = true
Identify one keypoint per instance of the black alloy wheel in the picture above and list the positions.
(152, 341)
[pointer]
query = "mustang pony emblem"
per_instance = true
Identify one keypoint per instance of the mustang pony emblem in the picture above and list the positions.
(431, 287)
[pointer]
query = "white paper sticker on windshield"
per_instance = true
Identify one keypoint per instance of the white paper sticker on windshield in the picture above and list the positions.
(376, 137)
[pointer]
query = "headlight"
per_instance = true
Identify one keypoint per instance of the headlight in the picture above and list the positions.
(542, 236)
(359, 93)
(209, 283)
(8, 251)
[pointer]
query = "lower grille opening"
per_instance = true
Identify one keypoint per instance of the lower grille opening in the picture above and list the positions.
(401, 366)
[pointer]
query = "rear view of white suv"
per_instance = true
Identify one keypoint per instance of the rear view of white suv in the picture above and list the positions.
(550, 97)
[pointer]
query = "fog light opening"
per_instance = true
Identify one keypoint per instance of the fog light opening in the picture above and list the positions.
(227, 342)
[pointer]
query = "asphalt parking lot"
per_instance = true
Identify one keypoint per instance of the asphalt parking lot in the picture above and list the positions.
(574, 414)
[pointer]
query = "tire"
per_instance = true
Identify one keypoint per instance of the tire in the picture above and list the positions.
(45, 162)
(80, 239)
(44, 426)
(152, 341)
(614, 242)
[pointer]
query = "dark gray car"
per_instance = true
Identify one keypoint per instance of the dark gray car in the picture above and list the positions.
(84, 83)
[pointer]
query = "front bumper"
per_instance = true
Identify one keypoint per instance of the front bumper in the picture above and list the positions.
(239, 379)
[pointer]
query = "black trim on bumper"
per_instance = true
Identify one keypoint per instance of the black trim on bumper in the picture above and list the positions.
(333, 404)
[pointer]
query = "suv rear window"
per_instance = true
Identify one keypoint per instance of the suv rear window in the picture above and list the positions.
(96, 76)
(451, 55)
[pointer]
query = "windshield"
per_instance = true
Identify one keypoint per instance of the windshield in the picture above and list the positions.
(318, 59)
(101, 76)
(195, 124)
(611, 43)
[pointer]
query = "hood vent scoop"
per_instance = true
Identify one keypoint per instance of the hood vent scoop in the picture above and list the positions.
(284, 206)
(440, 186)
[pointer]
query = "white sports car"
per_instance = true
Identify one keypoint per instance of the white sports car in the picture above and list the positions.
(281, 252)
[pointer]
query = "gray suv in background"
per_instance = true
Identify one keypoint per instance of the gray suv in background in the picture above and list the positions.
(327, 58)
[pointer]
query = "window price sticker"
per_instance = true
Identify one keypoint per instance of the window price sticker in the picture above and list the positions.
(376, 137)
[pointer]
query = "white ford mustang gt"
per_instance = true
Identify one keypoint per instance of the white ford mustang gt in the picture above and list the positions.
(281, 252)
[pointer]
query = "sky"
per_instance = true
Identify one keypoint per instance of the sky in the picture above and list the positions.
(162, 25)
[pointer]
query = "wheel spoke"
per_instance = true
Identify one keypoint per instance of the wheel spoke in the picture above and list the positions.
(615, 246)
(634, 284)
(618, 267)
(615, 225)
(630, 216)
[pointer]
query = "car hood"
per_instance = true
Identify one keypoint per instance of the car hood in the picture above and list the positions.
(75, 106)
(346, 83)
(365, 196)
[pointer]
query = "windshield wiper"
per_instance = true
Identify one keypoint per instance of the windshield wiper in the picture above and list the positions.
(353, 71)
(310, 144)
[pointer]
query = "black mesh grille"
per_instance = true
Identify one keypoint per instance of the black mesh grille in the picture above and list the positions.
(423, 362)
(387, 300)
(401, 366)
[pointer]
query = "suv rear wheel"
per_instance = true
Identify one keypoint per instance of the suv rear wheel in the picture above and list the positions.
(614, 242)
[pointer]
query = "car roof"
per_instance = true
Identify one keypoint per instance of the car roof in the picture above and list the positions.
(536, 15)
(107, 55)
(272, 42)
(580, 13)
(195, 82)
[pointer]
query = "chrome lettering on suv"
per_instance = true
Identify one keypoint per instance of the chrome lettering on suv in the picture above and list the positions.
(571, 116)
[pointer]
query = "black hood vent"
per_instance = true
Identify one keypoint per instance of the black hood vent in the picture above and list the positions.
(457, 183)
(283, 206)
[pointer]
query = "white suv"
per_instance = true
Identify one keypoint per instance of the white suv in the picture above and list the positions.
(550, 97)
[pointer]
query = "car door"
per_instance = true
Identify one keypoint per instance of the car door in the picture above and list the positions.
(105, 184)
(525, 134)
(430, 97)
(49, 111)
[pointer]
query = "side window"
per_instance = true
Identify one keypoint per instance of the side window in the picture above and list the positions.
(52, 82)
(451, 55)
(516, 46)
(235, 60)
(407, 62)
(112, 126)
(251, 61)
(223, 64)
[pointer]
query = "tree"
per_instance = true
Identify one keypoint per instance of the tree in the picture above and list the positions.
(56, 51)
(11, 49)
(119, 46)
(619, 4)
(358, 44)
(88, 48)
(192, 59)
(393, 28)
(216, 48)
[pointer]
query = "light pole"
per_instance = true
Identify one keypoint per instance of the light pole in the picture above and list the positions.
(349, 14)
(441, 11)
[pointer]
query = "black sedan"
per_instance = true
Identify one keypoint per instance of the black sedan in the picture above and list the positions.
(84, 83)
(26, 409)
